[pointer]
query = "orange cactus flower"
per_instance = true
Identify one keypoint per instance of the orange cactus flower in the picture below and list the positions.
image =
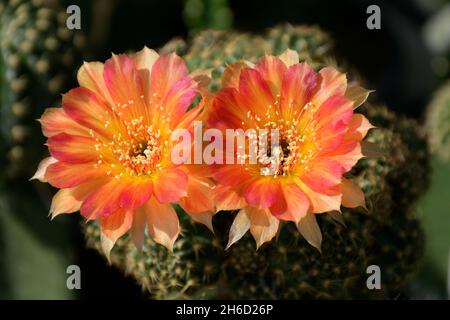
(110, 148)
(319, 141)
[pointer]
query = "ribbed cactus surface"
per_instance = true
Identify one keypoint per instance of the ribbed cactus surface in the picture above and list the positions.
(39, 56)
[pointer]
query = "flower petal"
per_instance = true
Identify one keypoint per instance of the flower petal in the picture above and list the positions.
(204, 218)
(84, 107)
(170, 185)
(230, 77)
(72, 149)
(323, 174)
(171, 87)
(352, 195)
(241, 224)
(138, 228)
(272, 69)
(357, 94)
(300, 82)
(113, 227)
(67, 175)
(162, 222)
(55, 121)
(332, 83)
(90, 76)
(115, 195)
(289, 57)
(297, 203)
(264, 193)
(263, 225)
(310, 230)
(69, 200)
(255, 93)
(126, 87)
(226, 198)
(321, 202)
(359, 126)
(199, 197)
(42, 169)
(337, 216)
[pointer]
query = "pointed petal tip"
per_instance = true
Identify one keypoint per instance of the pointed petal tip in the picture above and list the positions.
(107, 245)
(310, 230)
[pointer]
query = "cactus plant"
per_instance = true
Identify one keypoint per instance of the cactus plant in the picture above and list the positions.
(437, 122)
(38, 59)
(386, 234)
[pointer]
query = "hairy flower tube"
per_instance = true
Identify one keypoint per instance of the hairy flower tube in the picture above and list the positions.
(319, 141)
(110, 148)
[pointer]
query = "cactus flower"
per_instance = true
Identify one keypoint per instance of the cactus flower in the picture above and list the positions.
(319, 141)
(110, 148)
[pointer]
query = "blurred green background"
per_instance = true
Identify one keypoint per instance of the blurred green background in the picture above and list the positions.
(405, 61)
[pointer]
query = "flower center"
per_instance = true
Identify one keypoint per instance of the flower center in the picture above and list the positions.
(297, 140)
(135, 150)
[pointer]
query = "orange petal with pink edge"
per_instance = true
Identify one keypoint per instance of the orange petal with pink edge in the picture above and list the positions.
(171, 87)
(264, 193)
(240, 225)
(115, 195)
(336, 109)
(42, 169)
(227, 198)
(144, 61)
(55, 121)
(67, 175)
(85, 107)
(321, 202)
(310, 230)
(231, 174)
(352, 195)
(72, 149)
(226, 110)
(297, 203)
(289, 57)
(187, 119)
(113, 227)
(230, 77)
(324, 174)
(138, 228)
(162, 222)
(90, 76)
(125, 86)
(347, 154)
(170, 185)
(255, 93)
(69, 200)
(300, 82)
(332, 83)
(198, 197)
(272, 69)
(263, 225)
(359, 126)
(178, 99)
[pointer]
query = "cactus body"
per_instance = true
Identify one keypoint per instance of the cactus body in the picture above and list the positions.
(38, 60)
